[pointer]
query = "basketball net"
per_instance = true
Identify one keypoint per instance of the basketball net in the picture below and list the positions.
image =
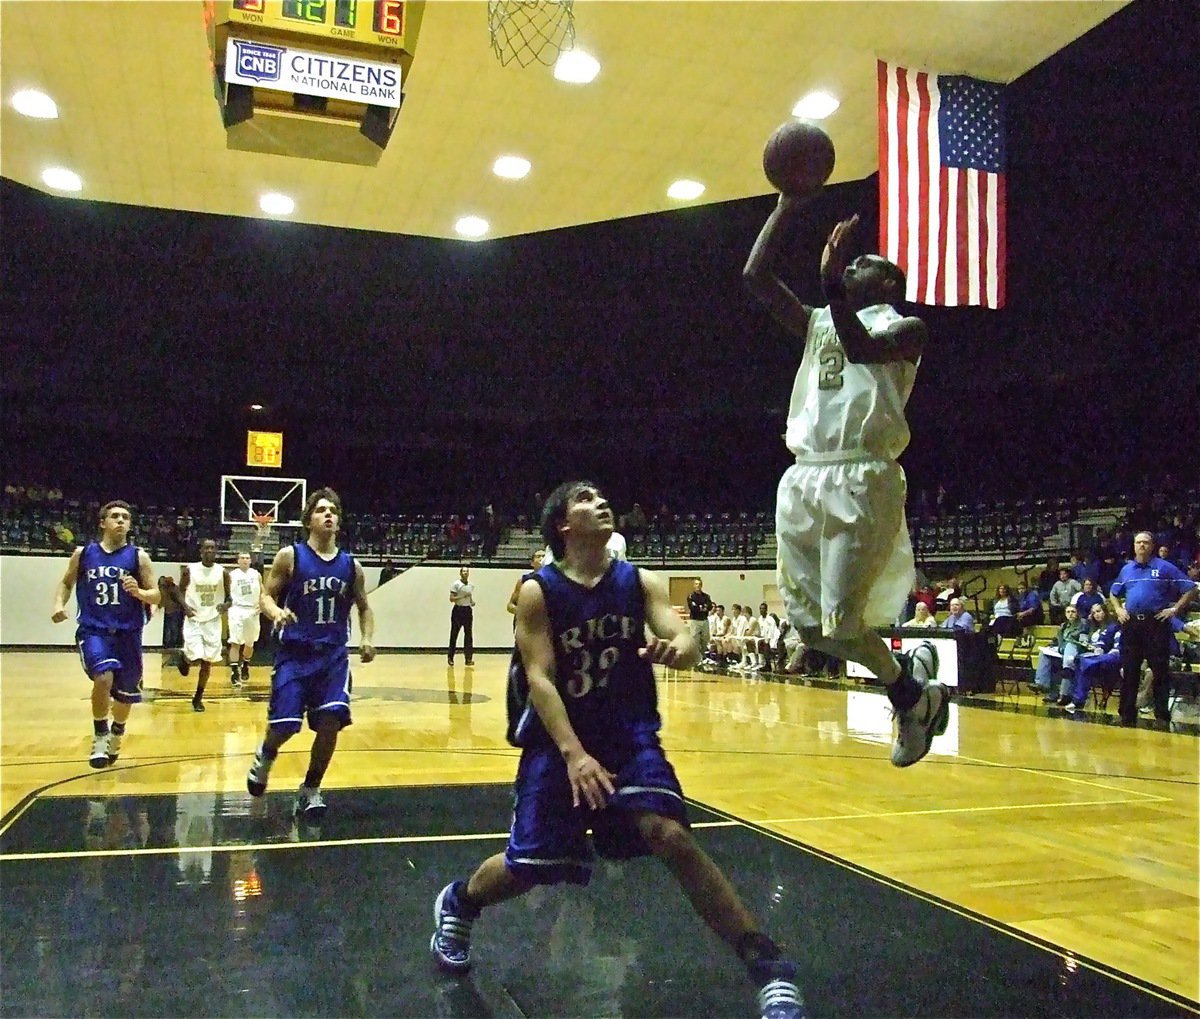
(262, 530)
(529, 30)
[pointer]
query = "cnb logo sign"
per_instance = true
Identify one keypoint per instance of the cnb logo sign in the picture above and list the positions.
(257, 61)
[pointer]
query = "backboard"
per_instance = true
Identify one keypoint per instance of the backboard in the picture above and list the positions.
(243, 495)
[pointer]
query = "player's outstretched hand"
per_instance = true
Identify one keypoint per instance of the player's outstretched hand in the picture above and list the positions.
(366, 652)
(660, 651)
(837, 249)
(591, 782)
(285, 616)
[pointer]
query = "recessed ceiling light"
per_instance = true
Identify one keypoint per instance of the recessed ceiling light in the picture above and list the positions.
(511, 167)
(473, 227)
(815, 106)
(61, 180)
(685, 190)
(32, 103)
(256, 406)
(275, 204)
(576, 67)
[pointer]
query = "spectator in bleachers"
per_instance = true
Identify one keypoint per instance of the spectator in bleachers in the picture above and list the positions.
(1077, 566)
(959, 618)
(922, 617)
(1086, 598)
(1059, 657)
(634, 523)
(1004, 613)
(1100, 661)
(1062, 593)
(1029, 607)
(489, 531)
(947, 592)
(1048, 577)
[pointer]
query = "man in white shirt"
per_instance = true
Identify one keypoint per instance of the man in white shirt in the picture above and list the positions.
(245, 590)
(462, 616)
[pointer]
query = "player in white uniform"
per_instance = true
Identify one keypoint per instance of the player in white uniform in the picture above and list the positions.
(245, 590)
(205, 589)
(845, 563)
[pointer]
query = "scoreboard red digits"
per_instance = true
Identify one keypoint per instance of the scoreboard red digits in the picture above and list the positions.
(389, 17)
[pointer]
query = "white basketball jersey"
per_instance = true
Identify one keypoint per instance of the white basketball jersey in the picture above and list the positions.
(205, 590)
(245, 587)
(839, 407)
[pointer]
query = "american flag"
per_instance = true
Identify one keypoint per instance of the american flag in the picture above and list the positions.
(941, 185)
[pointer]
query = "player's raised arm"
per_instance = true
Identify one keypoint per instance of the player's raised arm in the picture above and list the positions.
(868, 280)
(671, 645)
(759, 274)
(278, 578)
(66, 586)
(366, 616)
(591, 783)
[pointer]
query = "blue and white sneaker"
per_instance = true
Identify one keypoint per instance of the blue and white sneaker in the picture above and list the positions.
(451, 941)
(778, 995)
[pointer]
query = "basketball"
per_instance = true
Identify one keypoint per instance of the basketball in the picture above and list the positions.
(798, 157)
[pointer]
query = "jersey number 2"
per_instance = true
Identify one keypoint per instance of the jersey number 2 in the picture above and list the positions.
(832, 364)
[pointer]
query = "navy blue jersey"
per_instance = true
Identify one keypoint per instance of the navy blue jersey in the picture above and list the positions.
(104, 605)
(609, 692)
(320, 594)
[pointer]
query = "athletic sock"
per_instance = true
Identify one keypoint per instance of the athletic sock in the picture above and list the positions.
(754, 945)
(100, 726)
(118, 728)
(312, 780)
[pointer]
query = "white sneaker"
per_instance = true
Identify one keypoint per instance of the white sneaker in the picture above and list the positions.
(99, 755)
(309, 804)
(114, 746)
(928, 717)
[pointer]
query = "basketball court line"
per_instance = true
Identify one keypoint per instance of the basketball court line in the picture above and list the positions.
(1128, 979)
(254, 847)
(962, 810)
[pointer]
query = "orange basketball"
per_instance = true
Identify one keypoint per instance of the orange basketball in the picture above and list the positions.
(798, 156)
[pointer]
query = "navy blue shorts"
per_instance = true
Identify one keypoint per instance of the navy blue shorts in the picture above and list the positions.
(549, 843)
(309, 683)
(118, 652)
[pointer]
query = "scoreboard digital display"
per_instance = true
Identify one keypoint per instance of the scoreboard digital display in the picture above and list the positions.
(372, 22)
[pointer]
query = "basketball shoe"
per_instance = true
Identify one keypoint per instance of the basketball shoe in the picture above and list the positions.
(310, 805)
(260, 771)
(114, 746)
(929, 716)
(451, 941)
(99, 755)
(778, 995)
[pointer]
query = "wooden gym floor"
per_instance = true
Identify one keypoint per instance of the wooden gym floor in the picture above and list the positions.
(1032, 865)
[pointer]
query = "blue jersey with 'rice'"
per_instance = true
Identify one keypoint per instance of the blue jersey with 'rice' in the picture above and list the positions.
(608, 690)
(320, 593)
(104, 605)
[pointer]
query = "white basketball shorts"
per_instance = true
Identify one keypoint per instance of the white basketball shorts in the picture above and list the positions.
(243, 624)
(202, 641)
(845, 561)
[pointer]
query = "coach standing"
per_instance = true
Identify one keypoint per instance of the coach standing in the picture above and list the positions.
(699, 606)
(1155, 591)
(462, 597)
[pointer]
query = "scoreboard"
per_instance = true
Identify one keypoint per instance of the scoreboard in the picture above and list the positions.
(378, 23)
(312, 79)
